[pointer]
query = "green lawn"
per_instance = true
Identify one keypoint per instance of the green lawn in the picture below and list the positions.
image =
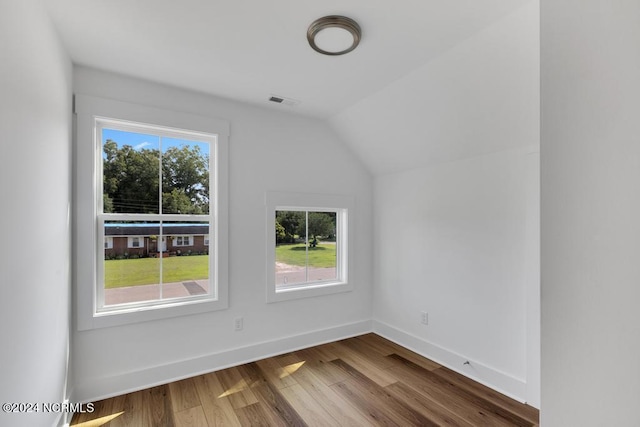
(146, 271)
(323, 255)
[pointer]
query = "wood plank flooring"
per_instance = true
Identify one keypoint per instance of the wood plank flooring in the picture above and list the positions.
(361, 381)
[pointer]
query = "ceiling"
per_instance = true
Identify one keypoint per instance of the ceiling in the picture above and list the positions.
(249, 50)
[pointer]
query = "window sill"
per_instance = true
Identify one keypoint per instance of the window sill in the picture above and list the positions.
(109, 318)
(307, 291)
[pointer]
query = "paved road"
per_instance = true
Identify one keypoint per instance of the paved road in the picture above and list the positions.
(152, 292)
(290, 274)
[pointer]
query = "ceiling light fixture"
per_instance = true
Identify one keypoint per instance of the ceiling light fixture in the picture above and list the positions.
(334, 35)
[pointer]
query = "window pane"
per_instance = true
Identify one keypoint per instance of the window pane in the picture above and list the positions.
(131, 172)
(306, 249)
(322, 259)
(131, 274)
(291, 253)
(185, 176)
(185, 269)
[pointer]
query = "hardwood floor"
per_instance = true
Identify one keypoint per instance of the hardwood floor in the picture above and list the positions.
(361, 381)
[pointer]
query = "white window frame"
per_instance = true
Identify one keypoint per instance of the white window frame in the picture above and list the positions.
(206, 239)
(343, 206)
(108, 242)
(131, 240)
(89, 235)
(181, 238)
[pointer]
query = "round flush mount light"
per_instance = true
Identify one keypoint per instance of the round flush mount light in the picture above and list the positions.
(334, 35)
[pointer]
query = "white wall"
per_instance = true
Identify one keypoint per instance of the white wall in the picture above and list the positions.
(590, 165)
(35, 141)
(269, 151)
(453, 146)
(455, 240)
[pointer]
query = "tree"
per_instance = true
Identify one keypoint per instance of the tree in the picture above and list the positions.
(281, 233)
(185, 170)
(132, 179)
(321, 224)
(290, 221)
(107, 204)
(177, 202)
(295, 223)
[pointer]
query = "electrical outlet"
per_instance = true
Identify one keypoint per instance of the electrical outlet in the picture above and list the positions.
(239, 323)
(424, 317)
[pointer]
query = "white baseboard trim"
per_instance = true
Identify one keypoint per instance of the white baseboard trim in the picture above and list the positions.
(492, 378)
(102, 388)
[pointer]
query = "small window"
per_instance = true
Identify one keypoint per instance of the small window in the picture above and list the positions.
(183, 241)
(307, 247)
(108, 242)
(206, 240)
(134, 242)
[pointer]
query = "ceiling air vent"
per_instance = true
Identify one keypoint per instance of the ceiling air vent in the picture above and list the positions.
(284, 101)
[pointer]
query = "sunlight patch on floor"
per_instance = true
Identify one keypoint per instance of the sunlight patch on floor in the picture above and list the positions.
(237, 388)
(99, 421)
(290, 369)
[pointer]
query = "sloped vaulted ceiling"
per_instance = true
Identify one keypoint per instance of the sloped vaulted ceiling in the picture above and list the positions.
(401, 81)
(479, 97)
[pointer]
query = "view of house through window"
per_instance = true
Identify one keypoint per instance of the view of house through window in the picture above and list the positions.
(155, 216)
(306, 247)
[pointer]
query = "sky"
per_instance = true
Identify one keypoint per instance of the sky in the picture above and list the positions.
(140, 141)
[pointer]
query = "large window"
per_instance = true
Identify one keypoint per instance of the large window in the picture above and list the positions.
(158, 189)
(307, 245)
(156, 182)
